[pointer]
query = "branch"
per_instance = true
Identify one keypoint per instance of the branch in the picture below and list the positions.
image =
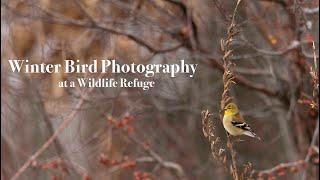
(292, 167)
(293, 46)
(126, 129)
(241, 80)
(52, 139)
(280, 2)
(166, 164)
(312, 144)
(53, 17)
(281, 169)
(311, 10)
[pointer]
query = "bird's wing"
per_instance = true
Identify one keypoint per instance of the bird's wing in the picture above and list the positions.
(238, 122)
(241, 125)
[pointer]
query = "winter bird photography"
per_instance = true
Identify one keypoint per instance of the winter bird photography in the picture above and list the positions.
(159, 89)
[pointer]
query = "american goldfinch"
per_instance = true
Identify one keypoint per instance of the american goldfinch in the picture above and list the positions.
(234, 123)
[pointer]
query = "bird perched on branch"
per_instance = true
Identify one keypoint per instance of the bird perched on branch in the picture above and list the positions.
(234, 123)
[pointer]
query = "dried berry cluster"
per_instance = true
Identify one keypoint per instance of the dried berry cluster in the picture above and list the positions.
(55, 165)
(281, 170)
(138, 175)
(124, 124)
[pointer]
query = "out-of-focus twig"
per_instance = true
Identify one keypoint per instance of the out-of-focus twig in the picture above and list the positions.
(241, 80)
(311, 10)
(313, 143)
(166, 164)
(127, 131)
(56, 133)
(293, 46)
(280, 169)
(291, 167)
(53, 17)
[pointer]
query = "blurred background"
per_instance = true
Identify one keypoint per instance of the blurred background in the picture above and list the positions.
(119, 133)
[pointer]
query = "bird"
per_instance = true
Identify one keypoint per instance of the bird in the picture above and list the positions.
(234, 123)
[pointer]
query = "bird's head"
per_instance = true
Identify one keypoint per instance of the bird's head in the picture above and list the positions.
(231, 109)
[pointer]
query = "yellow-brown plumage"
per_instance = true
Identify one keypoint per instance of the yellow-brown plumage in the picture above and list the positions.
(234, 123)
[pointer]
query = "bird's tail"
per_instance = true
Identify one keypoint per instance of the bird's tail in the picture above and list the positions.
(252, 134)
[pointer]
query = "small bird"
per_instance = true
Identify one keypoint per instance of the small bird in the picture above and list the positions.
(234, 123)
